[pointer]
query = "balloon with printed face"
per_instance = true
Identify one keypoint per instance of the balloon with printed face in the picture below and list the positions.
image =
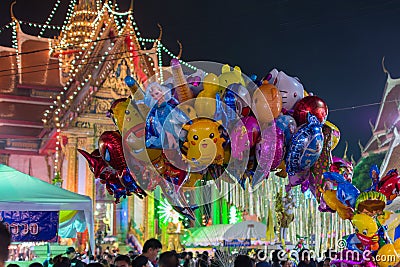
(310, 105)
(267, 102)
(306, 146)
(204, 144)
(290, 87)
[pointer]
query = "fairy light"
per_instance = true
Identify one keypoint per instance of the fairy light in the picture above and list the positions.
(161, 78)
(7, 26)
(53, 11)
(69, 13)
(169, 53)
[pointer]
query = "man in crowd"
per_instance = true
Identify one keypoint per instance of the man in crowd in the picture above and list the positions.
(168, 259)
(71, 254)
(122, 261)
(151, 248)
(5, 240)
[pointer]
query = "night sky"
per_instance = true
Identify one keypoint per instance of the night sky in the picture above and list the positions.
(334, 47)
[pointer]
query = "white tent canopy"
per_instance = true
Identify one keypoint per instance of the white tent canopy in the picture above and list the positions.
(21, 192)
(246, 230)
(216, 234)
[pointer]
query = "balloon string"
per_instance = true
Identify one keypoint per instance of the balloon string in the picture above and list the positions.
(364, 105)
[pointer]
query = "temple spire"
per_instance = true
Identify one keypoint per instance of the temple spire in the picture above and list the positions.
(384, 68)
(180, 50)
(345, 151)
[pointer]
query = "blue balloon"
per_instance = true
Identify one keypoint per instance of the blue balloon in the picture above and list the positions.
(130, 184)
(346, 192)
(288, 126)
(305, 147)
(352, 243)
(129, 81)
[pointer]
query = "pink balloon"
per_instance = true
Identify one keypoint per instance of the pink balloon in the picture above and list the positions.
(265, 149)
(269, 147)
(253, 129)
(244, 136)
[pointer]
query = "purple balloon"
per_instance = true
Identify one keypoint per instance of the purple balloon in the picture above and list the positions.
(253, 129)
(242, 142)
(299, 179)
(266, 149)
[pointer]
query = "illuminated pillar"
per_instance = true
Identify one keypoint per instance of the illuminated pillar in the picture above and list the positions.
(150, 215)
(216, 206)
(72, 181)
(90, 179)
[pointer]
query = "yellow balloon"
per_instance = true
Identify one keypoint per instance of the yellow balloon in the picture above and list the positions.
(365, 224)
(335, 136)
(387, 256)
(331, 200)
(205, 104)
(118, 109)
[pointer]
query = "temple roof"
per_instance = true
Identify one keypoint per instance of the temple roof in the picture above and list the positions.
(27, 84)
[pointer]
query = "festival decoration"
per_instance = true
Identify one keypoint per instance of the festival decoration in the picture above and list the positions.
(267, 97)
(306, 146)
(290, 87)
(313, 105)
(202, 144)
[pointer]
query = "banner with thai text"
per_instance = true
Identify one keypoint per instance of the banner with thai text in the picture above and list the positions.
(31, 226)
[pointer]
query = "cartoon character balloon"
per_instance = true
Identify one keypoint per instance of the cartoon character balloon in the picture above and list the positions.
(204, 144)
(290, 87)
(267, 101)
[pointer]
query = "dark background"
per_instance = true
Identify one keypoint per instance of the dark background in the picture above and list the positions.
(334, 47)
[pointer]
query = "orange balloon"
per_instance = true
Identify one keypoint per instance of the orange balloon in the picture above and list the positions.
(267, 97)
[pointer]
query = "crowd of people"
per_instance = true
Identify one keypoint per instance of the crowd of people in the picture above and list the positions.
(152, 257)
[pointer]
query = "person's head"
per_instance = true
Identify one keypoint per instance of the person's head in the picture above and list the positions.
(168, 259)
(151, 248)
(140, 261)
(243, 261)
(105, 263)
(190, 255)
(286, 264)
(5, 240)
(94, 264)
(327, 262)
(305, 256)
(70, 252)
(13, 265)
(62, 262)
(36, 264)
(122, 261)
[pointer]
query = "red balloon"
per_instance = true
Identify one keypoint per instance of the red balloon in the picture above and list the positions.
(313, 105)
(111, 150)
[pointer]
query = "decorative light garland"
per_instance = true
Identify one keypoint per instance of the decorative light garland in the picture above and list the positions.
(7, 26)
(41, 26)
(53, 11)
(69, 13)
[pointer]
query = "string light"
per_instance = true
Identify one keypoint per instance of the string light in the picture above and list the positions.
(53, 11)
(40, 26)
(7, 26)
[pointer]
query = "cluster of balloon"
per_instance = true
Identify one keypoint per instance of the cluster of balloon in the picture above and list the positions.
(365, 210)
(308, 139)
